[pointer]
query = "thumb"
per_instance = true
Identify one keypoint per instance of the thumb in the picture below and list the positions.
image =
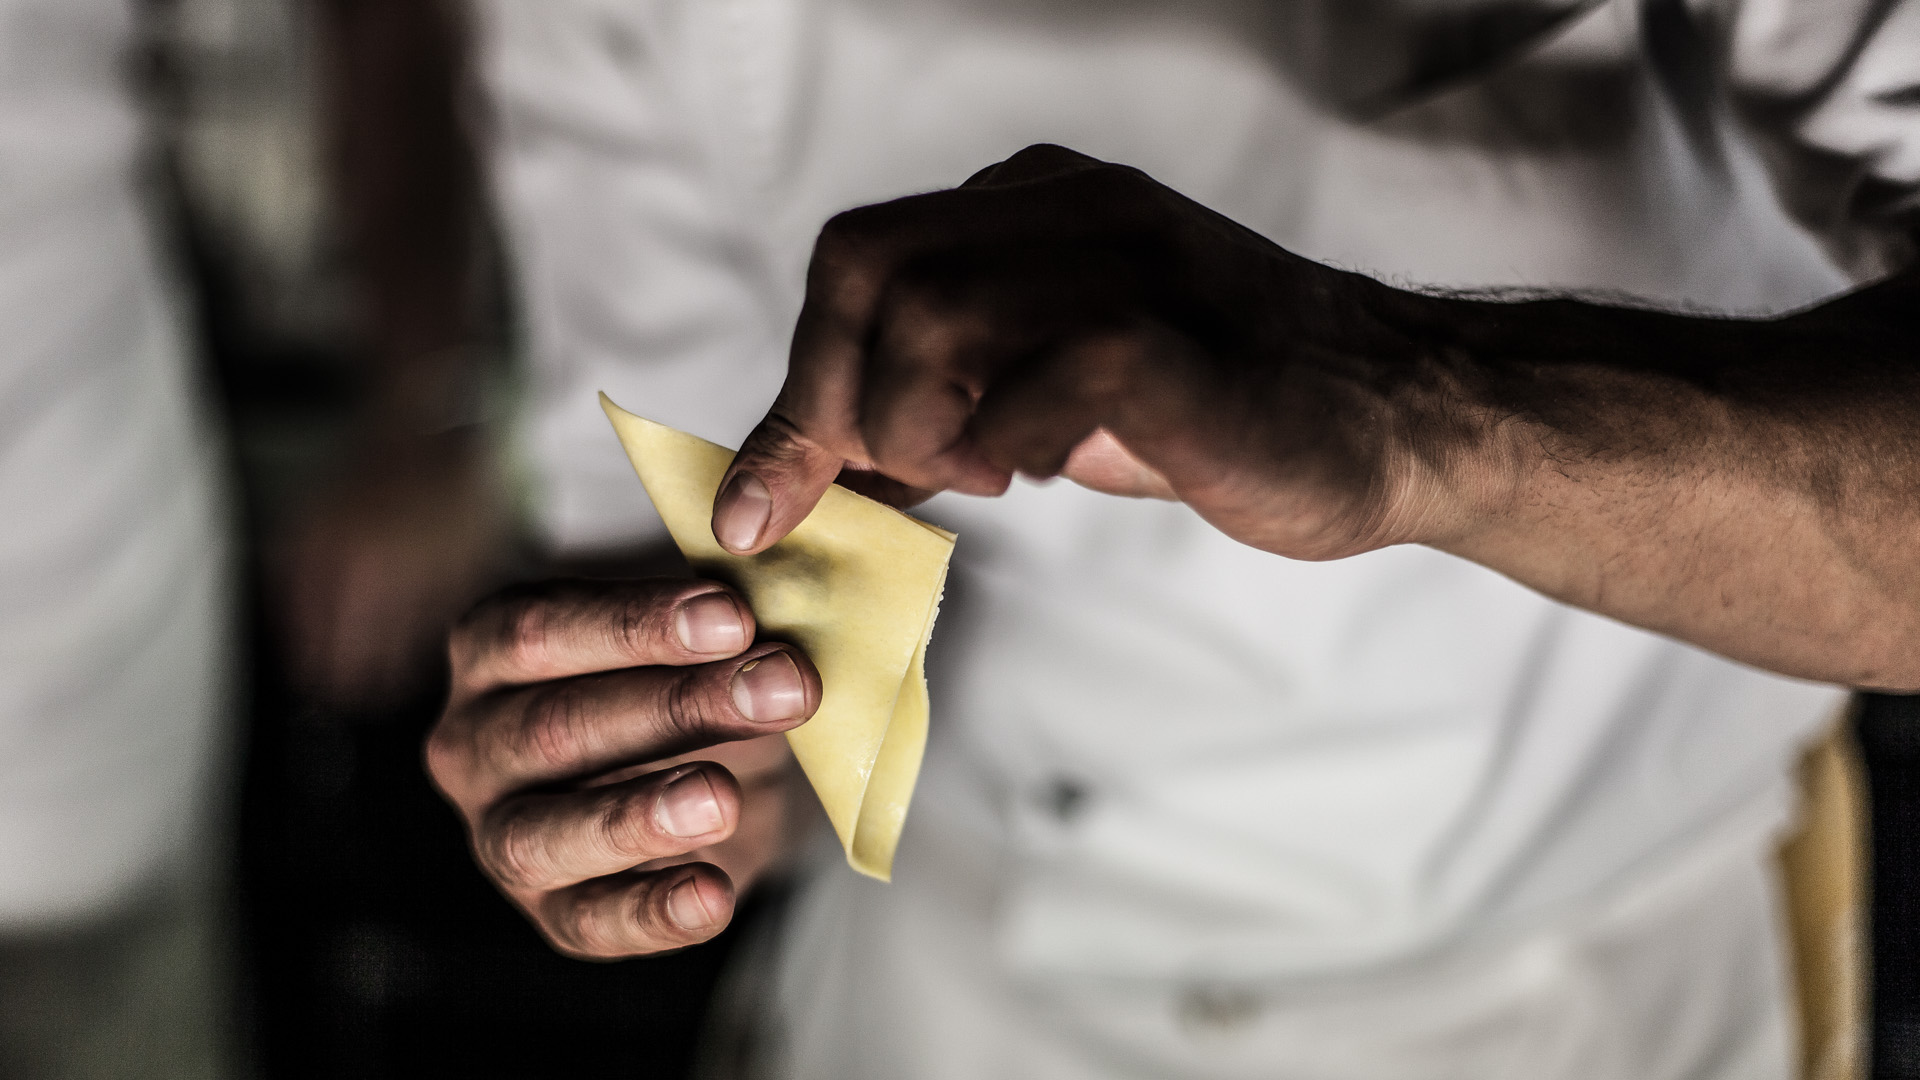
(771, 487)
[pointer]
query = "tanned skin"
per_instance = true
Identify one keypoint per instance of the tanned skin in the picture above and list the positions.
(417, 520)
(1748, 486)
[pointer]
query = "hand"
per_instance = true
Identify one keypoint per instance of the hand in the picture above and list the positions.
(1742, 485)
(1061, 315)
(369, 575)
(568, 745)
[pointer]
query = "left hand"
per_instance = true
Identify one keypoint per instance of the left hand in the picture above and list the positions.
(1058, 315)
(614, 749)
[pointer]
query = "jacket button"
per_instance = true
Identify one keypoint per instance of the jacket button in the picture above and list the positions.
(1064, 797)
(1216, 1010)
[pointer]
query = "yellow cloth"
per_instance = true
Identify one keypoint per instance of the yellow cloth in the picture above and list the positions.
(857, 586)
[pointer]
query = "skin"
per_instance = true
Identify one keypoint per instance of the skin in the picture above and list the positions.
(608, 748)
(369, 574)
(415, 520)
(1748, 486)
(1745, 485)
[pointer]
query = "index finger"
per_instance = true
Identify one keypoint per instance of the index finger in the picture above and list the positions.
(559, 629)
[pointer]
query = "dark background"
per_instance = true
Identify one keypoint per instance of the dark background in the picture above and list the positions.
(1890, 738)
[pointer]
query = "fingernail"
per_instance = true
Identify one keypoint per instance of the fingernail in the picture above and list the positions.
(740, 514)
(685, 908)
(688, 806)
(711, 624)
(769, 689)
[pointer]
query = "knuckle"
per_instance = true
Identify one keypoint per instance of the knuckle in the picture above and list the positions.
(781, 438)
(834, 255)
(474, 642)
(445, 755)
(526, 635)
(1041, 161)
(1051, 153)
(461, 652)
(493, 638)
(453, 760)
(608, 926)
(846, 266)
(554, 730)
(638, 625)
(698, 706)
(580, 933)
(844, 235)
(513, 854)
(625, 827)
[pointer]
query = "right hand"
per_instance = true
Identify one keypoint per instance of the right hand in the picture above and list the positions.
(1057, 315)
(569, 746)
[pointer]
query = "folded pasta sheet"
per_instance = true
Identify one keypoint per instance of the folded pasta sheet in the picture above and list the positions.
(856, 585)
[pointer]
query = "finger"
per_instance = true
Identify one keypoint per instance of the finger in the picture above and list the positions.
(948, 327)
(577, 727)
(932, 352)
(773, 484)
(750, 761)
(1135, 382)
(560, 629)
(639, 913)
(1031, 419)
(1037, 162)
(791, 458)
(548, 840)
(1102, 463)
(813, 430)
(774, 823)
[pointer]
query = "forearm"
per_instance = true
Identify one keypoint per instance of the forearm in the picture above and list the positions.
(407, 185)
(1752, 487)
(1749, 486)
(416, 517)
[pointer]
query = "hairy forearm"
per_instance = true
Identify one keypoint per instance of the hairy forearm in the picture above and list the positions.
(1751, 486)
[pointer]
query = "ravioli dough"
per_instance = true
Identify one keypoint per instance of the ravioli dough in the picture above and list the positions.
(856, 585)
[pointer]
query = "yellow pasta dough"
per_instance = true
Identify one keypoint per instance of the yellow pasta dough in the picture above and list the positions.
(856, 585)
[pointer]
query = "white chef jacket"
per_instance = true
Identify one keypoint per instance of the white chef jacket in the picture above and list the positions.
(114, 618)
(1165, 764)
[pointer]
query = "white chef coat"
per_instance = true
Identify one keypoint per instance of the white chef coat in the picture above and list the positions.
(113, 595)
(1166, 760)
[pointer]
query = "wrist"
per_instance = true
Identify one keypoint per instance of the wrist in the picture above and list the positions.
(425, 397)
(1458, 462)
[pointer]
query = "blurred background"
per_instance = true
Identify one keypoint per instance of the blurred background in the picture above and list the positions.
(371, 946)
